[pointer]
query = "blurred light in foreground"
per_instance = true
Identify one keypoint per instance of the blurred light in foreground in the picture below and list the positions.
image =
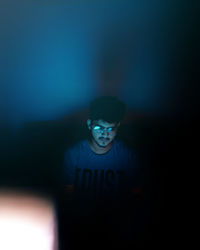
(26, 222)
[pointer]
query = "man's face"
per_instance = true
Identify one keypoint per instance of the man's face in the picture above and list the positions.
(103, 133)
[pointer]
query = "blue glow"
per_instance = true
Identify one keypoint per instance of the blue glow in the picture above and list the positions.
(101, 129)
(56, 56)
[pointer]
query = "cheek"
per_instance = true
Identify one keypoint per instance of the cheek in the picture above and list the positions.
(94, 135)
(112, 137)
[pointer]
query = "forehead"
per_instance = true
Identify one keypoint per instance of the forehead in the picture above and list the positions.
(104, 123)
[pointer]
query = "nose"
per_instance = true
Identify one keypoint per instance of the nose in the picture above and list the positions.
(105, 132)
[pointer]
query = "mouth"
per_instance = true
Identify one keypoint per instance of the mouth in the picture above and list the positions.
(104, 139)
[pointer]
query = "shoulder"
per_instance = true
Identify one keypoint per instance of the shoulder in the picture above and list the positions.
(122, 147)
(129, 155)
(75, 148)
(73, 153)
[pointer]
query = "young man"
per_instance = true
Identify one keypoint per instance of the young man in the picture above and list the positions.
(100, 165)
(100, 173)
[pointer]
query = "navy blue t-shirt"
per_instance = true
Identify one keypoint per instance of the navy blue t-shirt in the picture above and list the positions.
(101, 174)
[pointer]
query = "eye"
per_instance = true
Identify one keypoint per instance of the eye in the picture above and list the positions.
(97, 127)
(110, 129)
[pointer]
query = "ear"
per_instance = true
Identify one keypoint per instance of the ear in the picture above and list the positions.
(89, 122)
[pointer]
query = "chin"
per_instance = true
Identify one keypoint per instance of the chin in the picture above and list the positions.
(103, 145)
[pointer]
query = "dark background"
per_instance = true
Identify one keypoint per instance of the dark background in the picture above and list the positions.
(57, 56)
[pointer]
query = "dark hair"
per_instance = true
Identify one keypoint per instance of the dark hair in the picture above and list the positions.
(107, 108)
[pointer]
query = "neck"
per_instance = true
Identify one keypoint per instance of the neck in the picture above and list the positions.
(99, 150)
